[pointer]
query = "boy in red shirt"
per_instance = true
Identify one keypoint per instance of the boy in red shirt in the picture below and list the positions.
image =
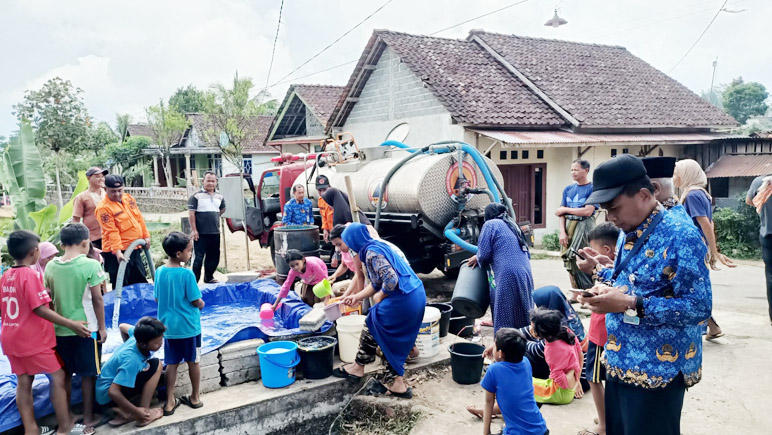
(603, 240)
(28, 338)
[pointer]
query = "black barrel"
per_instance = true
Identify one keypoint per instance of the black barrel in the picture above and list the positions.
(471, 295)
(304, 238)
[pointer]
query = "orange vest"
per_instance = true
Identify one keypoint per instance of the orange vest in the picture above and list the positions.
(326, 211)
(121, 223)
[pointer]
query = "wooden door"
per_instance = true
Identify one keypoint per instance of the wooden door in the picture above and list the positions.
(518, 180)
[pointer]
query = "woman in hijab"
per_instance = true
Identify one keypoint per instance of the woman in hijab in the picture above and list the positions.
(393, 322)
(692, 181)
(47, 253)
(503, 252)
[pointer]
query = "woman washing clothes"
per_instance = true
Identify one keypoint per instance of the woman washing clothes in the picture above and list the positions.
(503, 252)
(392, 324)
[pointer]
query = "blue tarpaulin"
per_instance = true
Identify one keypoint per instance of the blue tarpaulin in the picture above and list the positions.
(232, 313)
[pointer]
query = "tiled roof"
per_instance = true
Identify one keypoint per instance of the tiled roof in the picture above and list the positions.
(605, 86)
(256, 141)
(465, 79)
(320, 99)
(140, 130)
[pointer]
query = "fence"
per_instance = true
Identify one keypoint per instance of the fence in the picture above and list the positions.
(149, 199)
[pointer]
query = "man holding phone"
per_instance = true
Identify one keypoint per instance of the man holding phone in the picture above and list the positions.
(660, 293)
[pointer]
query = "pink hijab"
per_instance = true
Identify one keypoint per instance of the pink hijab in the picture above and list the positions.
(47, 249)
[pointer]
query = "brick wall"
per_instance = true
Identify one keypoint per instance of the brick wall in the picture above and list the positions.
(393, 92)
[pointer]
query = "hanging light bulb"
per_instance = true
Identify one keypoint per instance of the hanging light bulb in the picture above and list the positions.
(555, 21)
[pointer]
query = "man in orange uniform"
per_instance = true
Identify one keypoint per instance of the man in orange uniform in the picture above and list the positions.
(322, 184)
(122, 223)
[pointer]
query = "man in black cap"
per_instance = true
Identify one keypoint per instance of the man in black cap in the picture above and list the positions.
(84, 205)
(322, 184)
(659, 292)
(122, 224)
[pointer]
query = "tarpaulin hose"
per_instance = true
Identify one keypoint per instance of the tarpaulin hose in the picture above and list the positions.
(122, 272)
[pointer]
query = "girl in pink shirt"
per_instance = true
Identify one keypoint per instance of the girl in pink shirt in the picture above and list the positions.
(310, 270)
(563, 354)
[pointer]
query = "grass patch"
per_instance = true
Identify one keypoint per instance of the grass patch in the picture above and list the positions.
(541, 256)
(369, 420)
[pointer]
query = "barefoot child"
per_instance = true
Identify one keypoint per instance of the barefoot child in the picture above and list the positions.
(311, 271)
(603, 240)
(508, 381)
(131, 373)
(75, 282)
(563, 354)
(28, 337)
(179, 308)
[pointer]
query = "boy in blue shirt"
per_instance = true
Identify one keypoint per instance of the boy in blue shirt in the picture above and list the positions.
(179, 308)
(131, 373)
(509, 381)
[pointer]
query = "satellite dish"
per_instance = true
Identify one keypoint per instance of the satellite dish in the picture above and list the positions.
(399, 133)
(555, 21)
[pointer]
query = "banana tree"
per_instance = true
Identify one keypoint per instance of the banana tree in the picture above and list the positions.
(23, 178)
(46, 223)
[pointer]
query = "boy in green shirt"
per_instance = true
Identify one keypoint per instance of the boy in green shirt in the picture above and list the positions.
(74, 281)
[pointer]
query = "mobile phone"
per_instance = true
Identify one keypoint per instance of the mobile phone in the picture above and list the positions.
(585, 293)
(577, 253)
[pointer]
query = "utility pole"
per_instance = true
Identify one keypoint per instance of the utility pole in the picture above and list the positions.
(713, 81)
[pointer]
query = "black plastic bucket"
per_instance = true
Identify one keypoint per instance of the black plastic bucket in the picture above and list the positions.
(445, 310)
(471, 295)
(316, 356)
(304, 238)
(460, 325)
(466, 362)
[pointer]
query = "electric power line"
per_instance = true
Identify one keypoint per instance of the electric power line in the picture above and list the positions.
(332, 43)
(275, 39)
(699, 37)
(478, 17)
(282, 81)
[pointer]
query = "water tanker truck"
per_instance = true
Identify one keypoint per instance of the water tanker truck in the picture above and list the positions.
(428, 201)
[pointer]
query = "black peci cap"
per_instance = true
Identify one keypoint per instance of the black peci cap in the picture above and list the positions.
(659, 167)
(114, 181)
(611, 176)
(322, 182)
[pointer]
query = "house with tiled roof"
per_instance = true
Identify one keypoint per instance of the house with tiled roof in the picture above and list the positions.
(195, 154)
(531, 105)
(303, 118)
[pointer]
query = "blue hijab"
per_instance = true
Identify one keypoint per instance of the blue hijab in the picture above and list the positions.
(357, 237)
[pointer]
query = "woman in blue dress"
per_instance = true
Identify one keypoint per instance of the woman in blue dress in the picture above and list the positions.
(503, 252)
(393, 322)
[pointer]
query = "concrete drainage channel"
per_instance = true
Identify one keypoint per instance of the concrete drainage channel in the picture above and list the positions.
(308, 407)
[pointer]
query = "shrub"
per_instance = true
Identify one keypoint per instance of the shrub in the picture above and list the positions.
(737, 231)
(551, 241)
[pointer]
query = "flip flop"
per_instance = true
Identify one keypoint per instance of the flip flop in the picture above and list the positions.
(714, 336)
(408, 394)
(119, 421)
(103, 421)
(177, 404)
(341, 373)
(47, 430)
(185, 400)
(486, 323)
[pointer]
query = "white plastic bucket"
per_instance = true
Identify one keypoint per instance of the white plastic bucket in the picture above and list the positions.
(428, 341)
(349, 329)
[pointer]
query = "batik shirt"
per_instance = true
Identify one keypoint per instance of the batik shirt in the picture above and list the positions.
(670, 274)
(671, 204)
(298, 213)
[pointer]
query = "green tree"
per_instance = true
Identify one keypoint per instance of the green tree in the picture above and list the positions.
(99, 136)
(128, 153)
(230, 117)
(168, 126)
(265, 104)
(188, 100)
(60, 118)
(743, 100)
(122, 121)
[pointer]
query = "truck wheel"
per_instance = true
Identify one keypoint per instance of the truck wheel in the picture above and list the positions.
(451, 273)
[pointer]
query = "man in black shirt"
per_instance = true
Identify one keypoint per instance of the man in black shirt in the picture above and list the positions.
(205, 208)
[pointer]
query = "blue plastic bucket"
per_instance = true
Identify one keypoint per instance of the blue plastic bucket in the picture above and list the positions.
(278, 360)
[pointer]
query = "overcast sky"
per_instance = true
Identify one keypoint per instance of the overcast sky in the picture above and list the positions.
(128, 55)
